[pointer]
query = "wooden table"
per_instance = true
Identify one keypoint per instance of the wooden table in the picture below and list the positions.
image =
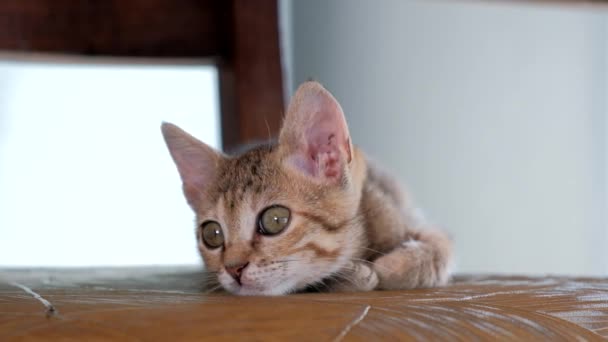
(169, 304)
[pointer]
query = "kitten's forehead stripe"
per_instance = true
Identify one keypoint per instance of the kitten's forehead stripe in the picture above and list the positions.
(250, 171)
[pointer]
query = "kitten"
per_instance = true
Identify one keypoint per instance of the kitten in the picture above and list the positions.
(308, 211)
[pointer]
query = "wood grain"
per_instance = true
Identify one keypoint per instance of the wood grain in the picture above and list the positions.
(169, 304)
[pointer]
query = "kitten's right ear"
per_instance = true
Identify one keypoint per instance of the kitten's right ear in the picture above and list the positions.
(196, 162)
(314, 138)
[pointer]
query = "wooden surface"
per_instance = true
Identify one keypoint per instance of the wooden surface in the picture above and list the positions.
(240, 37)
(169, 304)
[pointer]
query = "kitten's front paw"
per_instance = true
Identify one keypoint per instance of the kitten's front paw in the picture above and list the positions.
(355, 277)
(416, 263)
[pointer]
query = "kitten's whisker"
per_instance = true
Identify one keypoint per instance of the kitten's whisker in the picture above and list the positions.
(372, 264)
(372, 250)
(213, 289)
(321, 282)
(346, 267)
(269, 133)
(340, 275)
(315, 287)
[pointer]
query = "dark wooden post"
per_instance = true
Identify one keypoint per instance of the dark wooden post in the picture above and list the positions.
(251, 84)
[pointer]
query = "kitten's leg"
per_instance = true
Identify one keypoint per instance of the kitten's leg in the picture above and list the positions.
(356, 276)
(422, 261)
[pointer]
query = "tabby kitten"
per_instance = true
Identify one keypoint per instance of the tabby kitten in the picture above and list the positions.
(308, 211)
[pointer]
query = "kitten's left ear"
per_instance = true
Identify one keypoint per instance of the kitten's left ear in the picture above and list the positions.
(196, 162)
(315, 138)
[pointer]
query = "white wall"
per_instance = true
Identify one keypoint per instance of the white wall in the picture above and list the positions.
(492, 113)
(85, 177)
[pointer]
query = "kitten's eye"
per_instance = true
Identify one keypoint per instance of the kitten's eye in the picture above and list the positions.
(273, 220)
(212, 234)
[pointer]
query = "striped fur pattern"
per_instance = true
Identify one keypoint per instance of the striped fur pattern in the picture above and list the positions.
(351, 227)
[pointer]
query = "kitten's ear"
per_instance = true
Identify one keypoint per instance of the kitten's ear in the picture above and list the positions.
(314, 138)
(196, 162)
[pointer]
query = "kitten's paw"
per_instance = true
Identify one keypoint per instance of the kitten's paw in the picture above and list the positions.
(356, 277)
(416, 263)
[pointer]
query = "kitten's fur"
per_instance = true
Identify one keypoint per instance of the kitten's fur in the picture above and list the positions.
(351, 228)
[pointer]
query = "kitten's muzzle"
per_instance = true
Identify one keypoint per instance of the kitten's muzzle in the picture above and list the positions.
(236, 270)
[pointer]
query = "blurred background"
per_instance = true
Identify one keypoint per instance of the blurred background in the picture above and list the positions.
(493, 113)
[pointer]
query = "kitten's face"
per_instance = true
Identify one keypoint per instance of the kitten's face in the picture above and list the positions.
(277, 218)
(286, 231)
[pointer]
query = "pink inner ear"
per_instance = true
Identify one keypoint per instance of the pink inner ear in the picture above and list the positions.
(321, 154)
(324, 148)
(316, 134)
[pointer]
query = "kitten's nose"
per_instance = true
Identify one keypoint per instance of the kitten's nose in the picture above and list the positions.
(236, 270)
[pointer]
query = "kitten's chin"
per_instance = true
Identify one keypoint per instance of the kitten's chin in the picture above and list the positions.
(256, 291)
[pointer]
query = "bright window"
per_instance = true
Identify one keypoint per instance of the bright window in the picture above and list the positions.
(85, 177)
